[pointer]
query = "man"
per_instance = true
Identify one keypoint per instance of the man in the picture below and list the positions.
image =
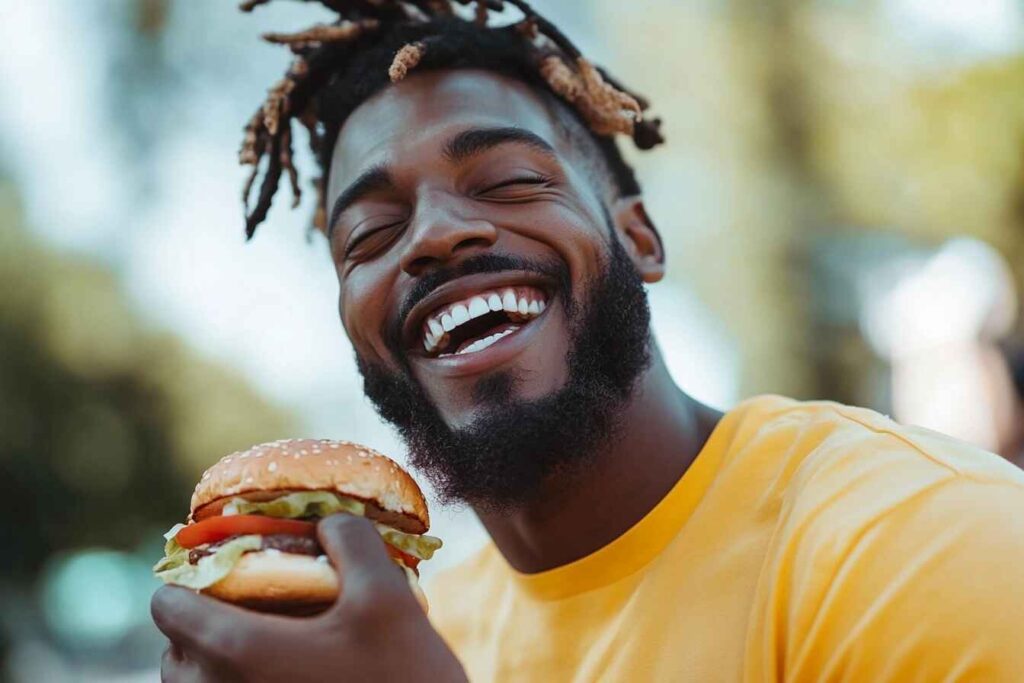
(491, 247)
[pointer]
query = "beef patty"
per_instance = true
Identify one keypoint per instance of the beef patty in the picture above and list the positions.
(286, 543)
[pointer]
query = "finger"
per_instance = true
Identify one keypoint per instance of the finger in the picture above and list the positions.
(202, 626)
(358, 554)
(176, 668)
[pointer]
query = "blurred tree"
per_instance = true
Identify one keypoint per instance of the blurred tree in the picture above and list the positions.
(794, 126)
(728, 189)
(105, 425)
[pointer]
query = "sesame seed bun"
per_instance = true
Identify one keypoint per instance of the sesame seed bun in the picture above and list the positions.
(270, 581)
(266, 470)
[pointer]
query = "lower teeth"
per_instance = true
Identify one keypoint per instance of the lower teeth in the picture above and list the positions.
(481, 344)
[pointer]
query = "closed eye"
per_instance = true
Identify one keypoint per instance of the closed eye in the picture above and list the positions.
(531, 180)
(372, 239)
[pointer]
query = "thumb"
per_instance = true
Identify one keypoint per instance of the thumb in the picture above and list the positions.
(358, 554)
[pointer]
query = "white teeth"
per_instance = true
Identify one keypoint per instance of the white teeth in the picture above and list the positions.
(481, 344)
(460, 314)
(478, 307)
(435, 334)
(435, 328)
(509, 302)
(432, 341)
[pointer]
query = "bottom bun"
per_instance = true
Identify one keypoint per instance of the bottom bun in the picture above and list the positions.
(274, 581)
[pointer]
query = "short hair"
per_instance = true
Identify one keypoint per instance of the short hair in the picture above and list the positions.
(377, 42)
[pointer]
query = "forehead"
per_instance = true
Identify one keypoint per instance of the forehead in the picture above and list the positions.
(424, 110)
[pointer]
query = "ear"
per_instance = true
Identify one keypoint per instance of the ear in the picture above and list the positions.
(640, 238)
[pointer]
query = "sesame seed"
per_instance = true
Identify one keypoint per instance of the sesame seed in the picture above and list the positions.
(335, 446)
(271, 467)
(248, 480)
(304, 452)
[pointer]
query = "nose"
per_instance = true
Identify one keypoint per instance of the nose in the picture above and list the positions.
(439, 234)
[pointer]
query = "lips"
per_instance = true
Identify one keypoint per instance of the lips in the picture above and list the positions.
(468, 315)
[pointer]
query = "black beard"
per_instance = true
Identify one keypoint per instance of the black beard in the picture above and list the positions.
(507, 454)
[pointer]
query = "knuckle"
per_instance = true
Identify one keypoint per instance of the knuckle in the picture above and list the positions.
(227, 644)
(379, 606)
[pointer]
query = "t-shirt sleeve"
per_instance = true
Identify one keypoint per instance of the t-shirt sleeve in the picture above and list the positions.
(932, 590)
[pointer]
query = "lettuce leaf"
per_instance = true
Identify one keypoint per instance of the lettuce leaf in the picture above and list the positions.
(324, 503)
(422, 547)
(175, 567)
(296, 504)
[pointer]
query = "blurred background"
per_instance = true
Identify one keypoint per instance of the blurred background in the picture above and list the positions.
(842, 199)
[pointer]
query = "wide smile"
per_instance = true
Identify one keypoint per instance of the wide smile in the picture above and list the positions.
(472, 324)
(473, 314)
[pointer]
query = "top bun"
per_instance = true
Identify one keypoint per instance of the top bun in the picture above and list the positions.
(315, 465)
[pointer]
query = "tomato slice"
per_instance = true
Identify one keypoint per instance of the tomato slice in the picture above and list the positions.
(218, 528)
(408, 560)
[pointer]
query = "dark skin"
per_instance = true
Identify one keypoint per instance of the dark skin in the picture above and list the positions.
(449, 165)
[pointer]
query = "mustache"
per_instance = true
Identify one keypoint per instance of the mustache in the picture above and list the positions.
(483, 263)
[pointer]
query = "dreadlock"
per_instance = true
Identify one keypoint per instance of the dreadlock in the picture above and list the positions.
(337, 66)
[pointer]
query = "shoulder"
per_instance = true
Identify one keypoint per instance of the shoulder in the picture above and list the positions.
(820, 445)
(887, 532)
(840, 470)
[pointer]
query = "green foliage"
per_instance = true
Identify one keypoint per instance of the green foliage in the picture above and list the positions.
(106, 425)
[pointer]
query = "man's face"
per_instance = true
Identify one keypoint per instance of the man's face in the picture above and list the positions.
(456, 171)
(455, 189)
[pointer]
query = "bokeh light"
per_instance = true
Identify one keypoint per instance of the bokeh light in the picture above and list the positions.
(94, 598)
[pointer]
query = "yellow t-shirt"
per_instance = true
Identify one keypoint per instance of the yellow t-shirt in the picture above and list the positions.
(807, 542)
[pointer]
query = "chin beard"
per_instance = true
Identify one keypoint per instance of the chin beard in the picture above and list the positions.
(514, 449)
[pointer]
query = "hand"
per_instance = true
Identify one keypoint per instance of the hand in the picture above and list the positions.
(376, 631)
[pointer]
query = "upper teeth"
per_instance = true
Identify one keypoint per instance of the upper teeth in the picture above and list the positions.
(521, 303)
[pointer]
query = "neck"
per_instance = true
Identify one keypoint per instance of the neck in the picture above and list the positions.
(662, 431)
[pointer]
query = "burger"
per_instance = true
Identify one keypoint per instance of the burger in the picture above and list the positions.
(250, 537)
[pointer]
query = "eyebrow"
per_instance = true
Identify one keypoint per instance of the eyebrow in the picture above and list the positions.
(475, 141)
(459, 148)
(372, 180)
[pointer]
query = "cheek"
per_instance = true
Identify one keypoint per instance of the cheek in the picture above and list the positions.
(363, 306)
(575, 235)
